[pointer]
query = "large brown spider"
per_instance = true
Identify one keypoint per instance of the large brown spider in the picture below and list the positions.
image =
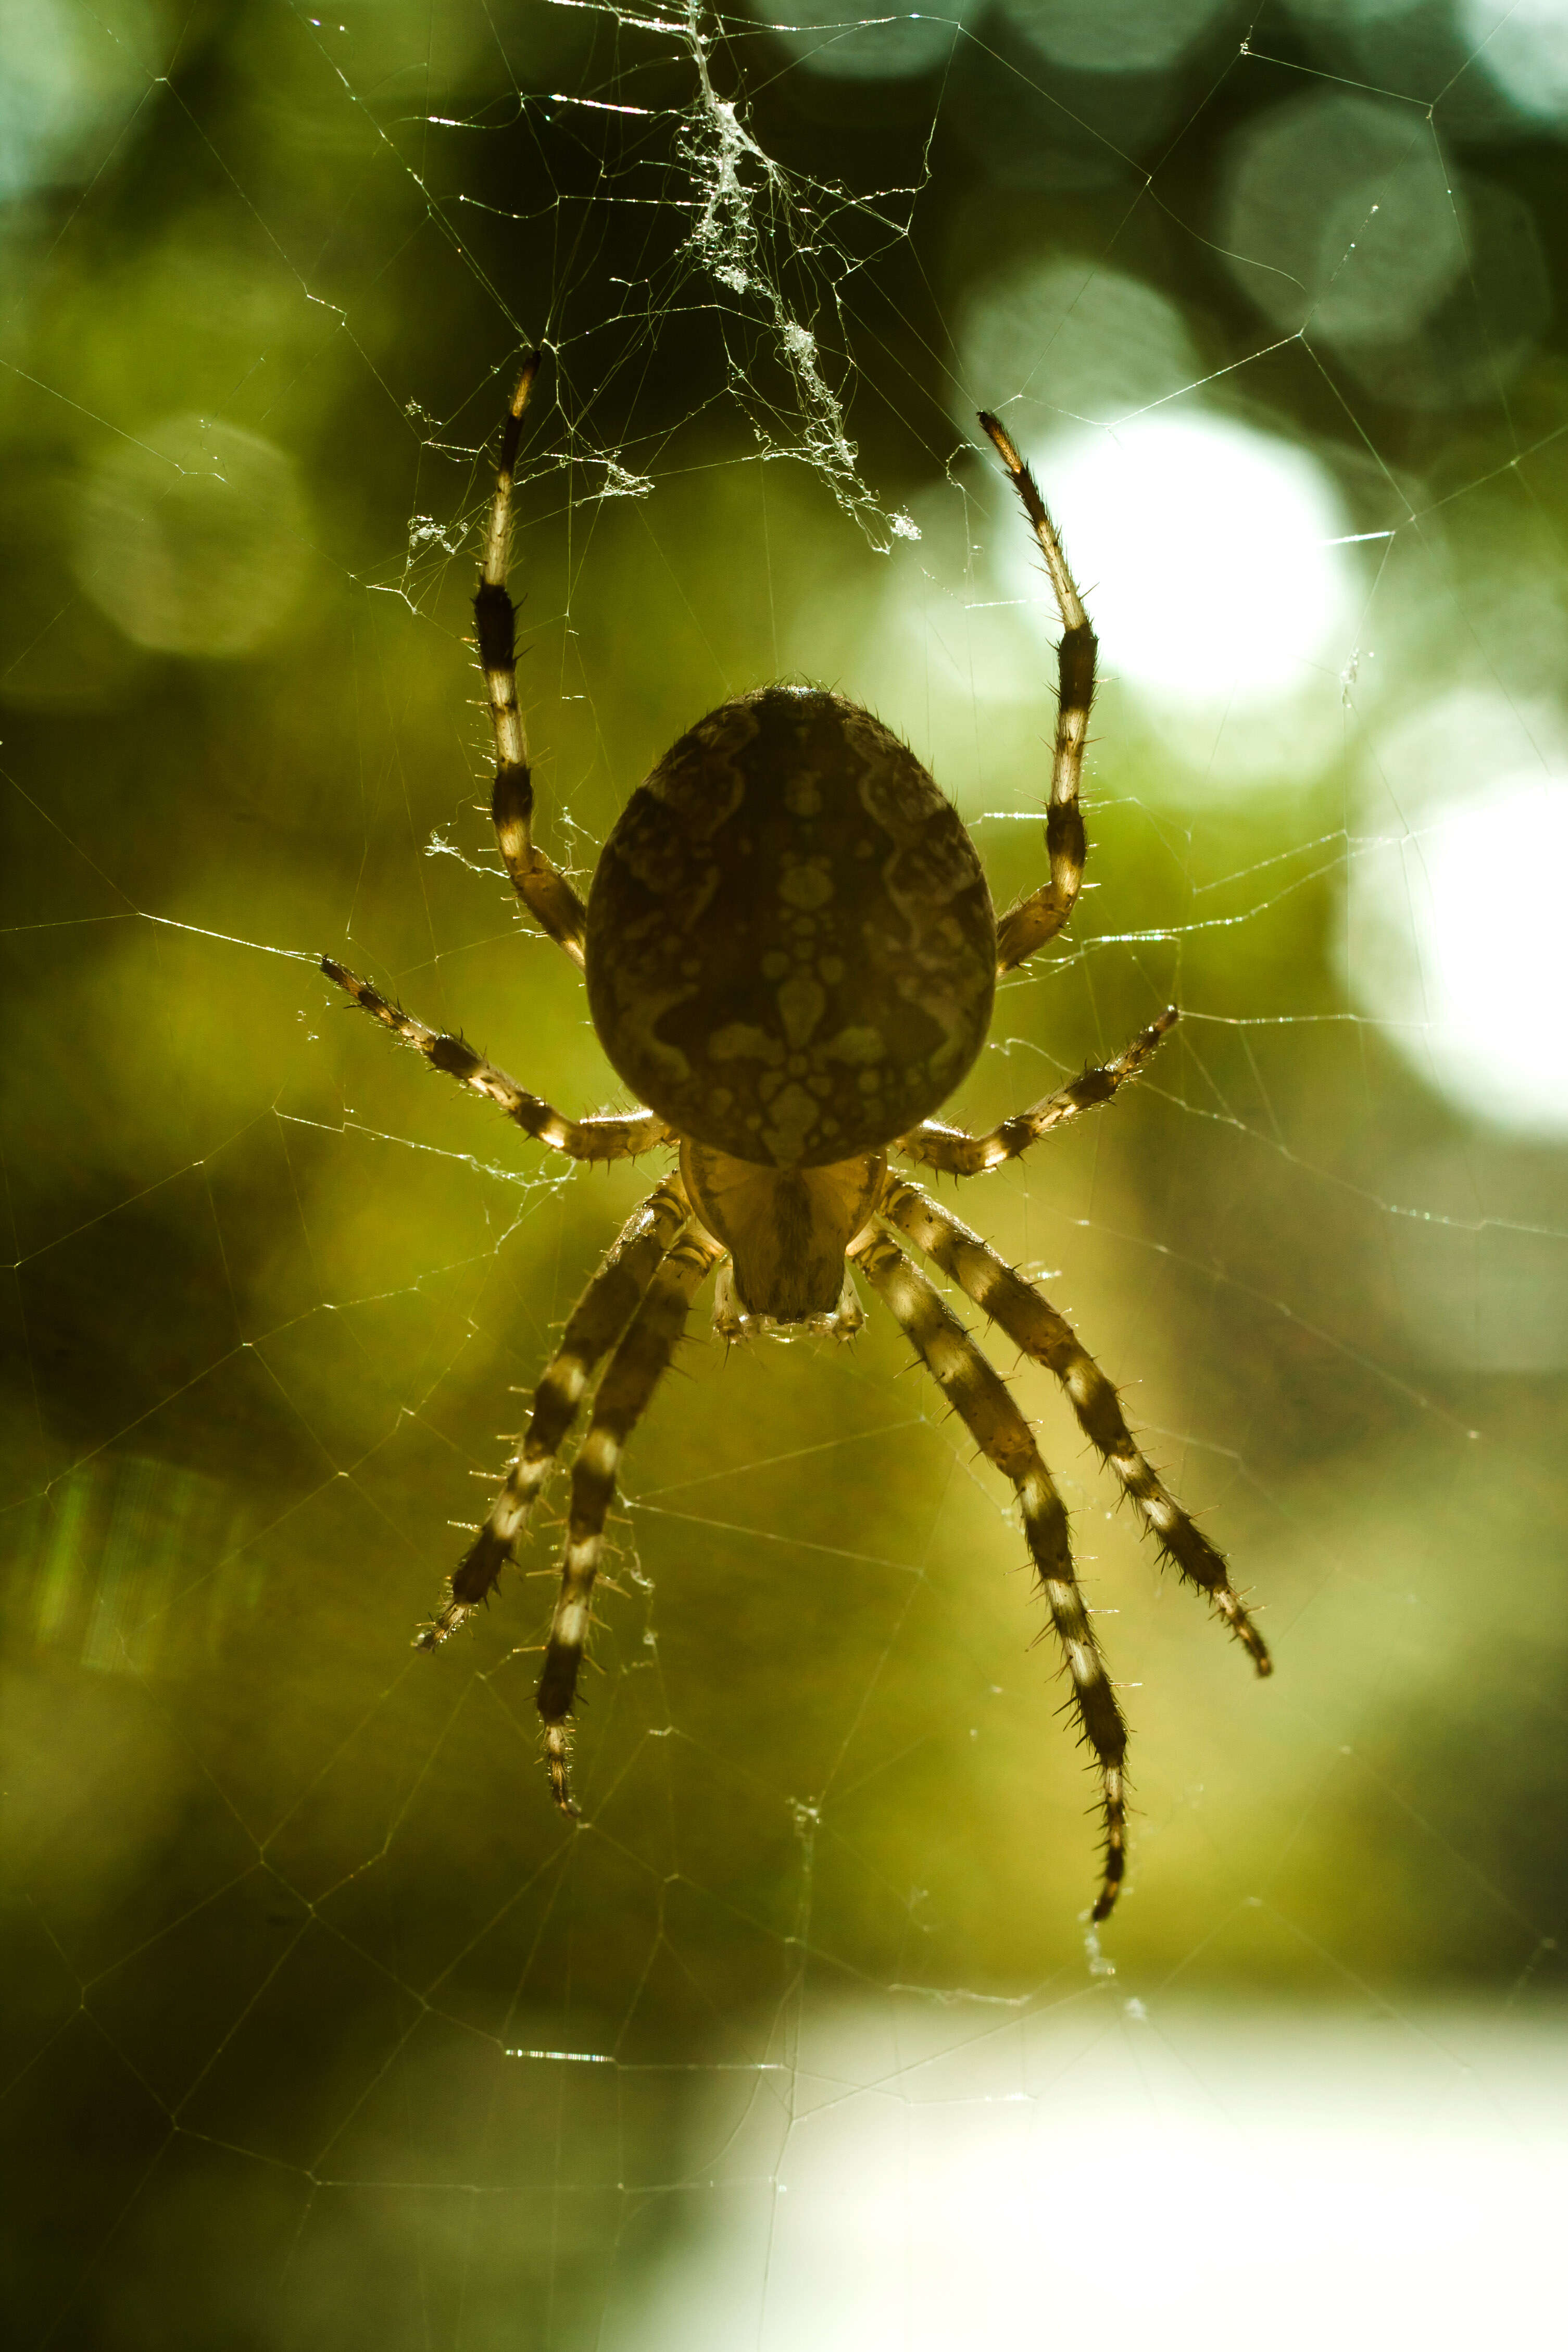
(791, 955)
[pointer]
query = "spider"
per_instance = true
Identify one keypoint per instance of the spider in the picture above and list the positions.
(791, 956)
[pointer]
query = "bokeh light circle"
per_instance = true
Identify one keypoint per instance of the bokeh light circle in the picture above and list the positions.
(1071, 340)
(68, 84)
(898, 42)
(1114, 36)
(193, 538)
(1206, 549)
(1521, 45)
(1337, 214)
(1455, 939)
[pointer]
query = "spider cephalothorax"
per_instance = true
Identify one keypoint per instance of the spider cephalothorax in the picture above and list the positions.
(791, 956)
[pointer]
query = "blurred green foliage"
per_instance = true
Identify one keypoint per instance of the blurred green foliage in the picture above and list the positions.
(281, 1894)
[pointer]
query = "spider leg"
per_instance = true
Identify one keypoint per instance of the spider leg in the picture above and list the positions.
(596, 1322)
(979, 1396)
(1037, 919)
(957, 1153)
(579, 1139)
(1029, 1320)
(542, 886)
(633, 1373)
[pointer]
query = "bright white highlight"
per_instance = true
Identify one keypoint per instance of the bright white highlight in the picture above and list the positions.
(1522, 46)
(70, 84)
(1454, 938)
(1205, 553)
(1199, 2184)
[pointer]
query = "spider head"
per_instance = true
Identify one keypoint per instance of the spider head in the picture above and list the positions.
(790, 948)
(786, 1229)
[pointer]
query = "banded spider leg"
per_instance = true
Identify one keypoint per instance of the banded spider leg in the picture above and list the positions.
(978, 1396)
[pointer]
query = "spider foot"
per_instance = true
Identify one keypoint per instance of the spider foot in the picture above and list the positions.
(1227, 1603)
(1231, 1607)
(441, 1627)
(557, 1745)
(446, 1621)
(1115, 1810)
(469, 1586)
(1110, 1886)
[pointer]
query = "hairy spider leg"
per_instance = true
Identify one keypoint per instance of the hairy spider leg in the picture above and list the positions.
(957, 1153)
(624, 1394)
(542, 886)
(1029, 1318)
(593, 1327)
(618, 1138)
(977, 1393)
(1037, 919)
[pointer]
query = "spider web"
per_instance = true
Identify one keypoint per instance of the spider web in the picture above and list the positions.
(322, 2027)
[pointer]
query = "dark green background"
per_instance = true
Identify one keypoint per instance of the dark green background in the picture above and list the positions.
(280, 1895)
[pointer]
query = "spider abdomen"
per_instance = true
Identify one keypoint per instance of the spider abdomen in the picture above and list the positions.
(790, 948)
